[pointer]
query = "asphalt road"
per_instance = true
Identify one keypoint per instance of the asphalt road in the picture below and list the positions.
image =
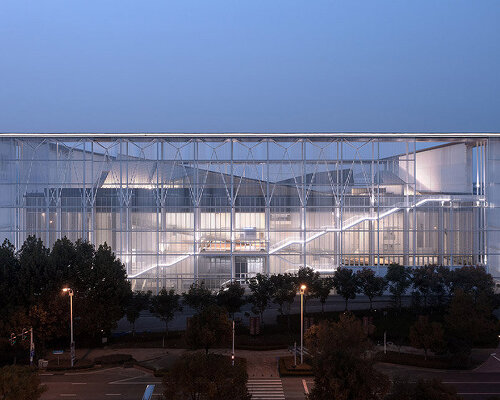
(127, 384)
(113, 383)
(469, 385)
(130, 383)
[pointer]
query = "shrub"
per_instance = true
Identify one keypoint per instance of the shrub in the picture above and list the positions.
(285, 366)
(206, 376)
(19, 383)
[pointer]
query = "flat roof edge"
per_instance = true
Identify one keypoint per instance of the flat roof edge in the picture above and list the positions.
(393, 135)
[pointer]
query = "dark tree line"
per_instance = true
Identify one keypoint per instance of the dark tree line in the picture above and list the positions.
(343, 367)
(428, 285)
(31, 283)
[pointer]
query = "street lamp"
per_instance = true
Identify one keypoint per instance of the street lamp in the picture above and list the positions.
(302, 290)
(72, 343)
(232, 353)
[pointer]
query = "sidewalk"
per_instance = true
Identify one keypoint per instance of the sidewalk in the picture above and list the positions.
(261, 364)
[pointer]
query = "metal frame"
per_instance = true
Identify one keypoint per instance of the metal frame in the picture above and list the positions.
(168, 203)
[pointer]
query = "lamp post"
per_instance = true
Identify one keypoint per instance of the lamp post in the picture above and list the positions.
(302, 290)
(72, 343)
(232, 353)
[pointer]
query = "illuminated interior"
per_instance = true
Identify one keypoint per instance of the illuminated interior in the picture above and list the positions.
(186, 208)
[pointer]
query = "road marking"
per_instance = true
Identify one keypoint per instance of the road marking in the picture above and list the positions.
(113, 394)
(98, 371)
(135, 383)
(306, 390)
(45, 374)
(494, 356)
(67, 395)
(472, 383)
(483, 394)
(266, 389)
(124, 380)
(78, 383)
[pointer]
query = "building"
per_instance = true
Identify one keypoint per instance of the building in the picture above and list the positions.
(214, 207)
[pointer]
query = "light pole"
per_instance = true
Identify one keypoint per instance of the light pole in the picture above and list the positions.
(302, 290)
(72, 343)
(232, 353)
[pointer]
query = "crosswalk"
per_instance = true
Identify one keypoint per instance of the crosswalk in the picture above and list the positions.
(266, 389)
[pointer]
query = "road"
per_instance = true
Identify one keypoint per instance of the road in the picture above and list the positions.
(470, 386)
(130, 383)
(113, 383)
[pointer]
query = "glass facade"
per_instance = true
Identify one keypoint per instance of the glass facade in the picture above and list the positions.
(181, 208)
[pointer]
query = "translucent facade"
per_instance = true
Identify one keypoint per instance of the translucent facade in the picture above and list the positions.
(207, 207)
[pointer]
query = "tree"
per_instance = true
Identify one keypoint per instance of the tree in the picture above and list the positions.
(470, 320)
(208, 377)
(102, 289)
(345, 335)
(261, 287)
(399, 280)
(322, 288)
(198, 296)
(442, 285)
(403, 389)
(20, 383)
(309, 277)
(137, 302)
(346, 283)
(36, 275)
(426, 335)
(10, 291)
(340, 375)
(370, 285)
(33, 274)
(423, 281)
(474, 280)
(208, 327)
(340, 365)
(63, 266)
(284, 290)
(231, 298)
(165, 305)
(431, 283)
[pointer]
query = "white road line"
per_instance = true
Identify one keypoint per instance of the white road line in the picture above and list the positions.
(266, 389)
(306, 390)
(67, 395)
(483, 394)
(135, 383)
(78, 383)
(120, 381)
(45, 374)
(91, 372)
(472, 383)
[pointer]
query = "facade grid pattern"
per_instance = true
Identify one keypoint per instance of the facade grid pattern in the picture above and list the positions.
(180, 209)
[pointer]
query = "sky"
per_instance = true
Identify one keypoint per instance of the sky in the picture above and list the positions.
(249, 66)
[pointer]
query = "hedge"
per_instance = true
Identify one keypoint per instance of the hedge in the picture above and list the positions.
(285, 367)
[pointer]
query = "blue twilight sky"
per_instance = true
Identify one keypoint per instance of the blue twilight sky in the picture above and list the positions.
(236, 65)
